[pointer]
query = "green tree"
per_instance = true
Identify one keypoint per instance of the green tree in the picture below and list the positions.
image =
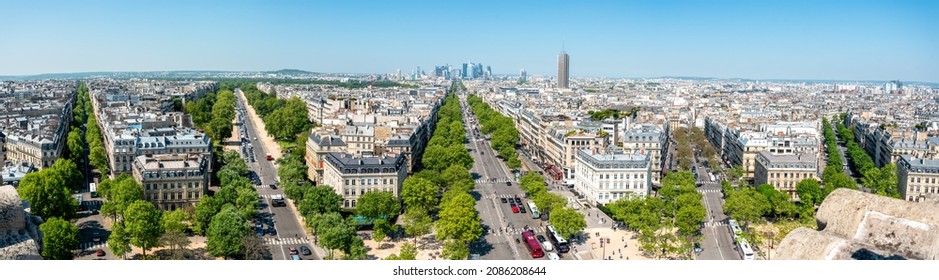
(378, 204)
(76, 144)
(175, 225)
(458, 219)
(356, 249)
(419, 192)
(142, 223)
(838, 181)
(99, 159)
(334, 232)
(567, 221)
(226, 233)
(381, 229)
(430, 175)
(119, 241)
(455, 250)
(747, 205)
(417, 222)
(735, 173)
(547, 201)
(206, 209)
(247, 202)
(408, 252)
(809, 191)
(122, 192)
(48, 194)
(59, 238)
(457, 177)
(882, 181)
(320, 199)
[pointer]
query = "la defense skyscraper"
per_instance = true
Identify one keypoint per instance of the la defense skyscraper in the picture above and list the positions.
(563, 70)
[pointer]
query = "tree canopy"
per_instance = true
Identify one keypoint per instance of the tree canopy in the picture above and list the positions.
(59, 238)
(226, 233)
(49, 190)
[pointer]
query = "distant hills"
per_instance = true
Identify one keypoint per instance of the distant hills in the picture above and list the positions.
(158, 74)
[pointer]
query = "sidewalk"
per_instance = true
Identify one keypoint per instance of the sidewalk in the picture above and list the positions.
(270, 146)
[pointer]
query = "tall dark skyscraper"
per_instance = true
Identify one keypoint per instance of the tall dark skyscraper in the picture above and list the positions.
(563, 70)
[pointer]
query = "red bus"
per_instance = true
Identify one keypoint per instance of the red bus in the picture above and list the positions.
(533, 246)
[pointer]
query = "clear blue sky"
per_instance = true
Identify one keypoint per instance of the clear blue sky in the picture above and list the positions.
(845, 40)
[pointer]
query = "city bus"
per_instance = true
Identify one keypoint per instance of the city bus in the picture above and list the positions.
(745, 250)
(559, 242)
(533, 246)
(535, 214)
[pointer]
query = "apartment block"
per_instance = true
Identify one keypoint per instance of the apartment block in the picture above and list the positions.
(607, 176)
(918, 179)
(173, 181)
(784, 171)
(352, 176)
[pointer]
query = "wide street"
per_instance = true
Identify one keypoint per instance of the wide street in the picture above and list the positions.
(289, 230)
(718, 242)
(494, 179)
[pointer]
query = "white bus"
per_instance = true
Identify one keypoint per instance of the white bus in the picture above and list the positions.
(745, 250)
(535, 214)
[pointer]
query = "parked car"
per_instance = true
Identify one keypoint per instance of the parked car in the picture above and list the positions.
(293, 251)
(305, 251)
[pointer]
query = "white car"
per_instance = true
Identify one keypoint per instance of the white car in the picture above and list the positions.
(546, 245)
(553, 256)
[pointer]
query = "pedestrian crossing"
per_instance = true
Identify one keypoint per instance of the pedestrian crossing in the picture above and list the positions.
(709, 190)
(513, 231)
(268, 186)
(90, 203)
(715, 224)
(92, 245)
(497, 196)
(286, 241)
(493, 180)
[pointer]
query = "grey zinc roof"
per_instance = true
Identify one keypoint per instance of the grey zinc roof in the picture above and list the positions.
(327, 140)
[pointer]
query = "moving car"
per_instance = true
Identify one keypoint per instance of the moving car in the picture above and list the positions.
(514, 208)
(293, 251)
(521, 208)
(518, 200)
(99, 253)
(545, 243)
(553, 256)
(508, 184)
(269, 157)
(305, 251)
(273, 186)
(295, 258)
(503, 200)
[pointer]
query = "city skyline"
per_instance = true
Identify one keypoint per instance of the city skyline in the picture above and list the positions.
(725, 39)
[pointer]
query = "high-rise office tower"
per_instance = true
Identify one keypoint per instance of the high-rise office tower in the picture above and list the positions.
(465, 71)
(522, 76)
(563, 70)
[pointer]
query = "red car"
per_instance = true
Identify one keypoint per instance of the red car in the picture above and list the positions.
(99, 253)
(293, 251)
(514, 209)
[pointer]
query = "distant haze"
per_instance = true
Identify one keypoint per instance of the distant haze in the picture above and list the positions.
(820, 40)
